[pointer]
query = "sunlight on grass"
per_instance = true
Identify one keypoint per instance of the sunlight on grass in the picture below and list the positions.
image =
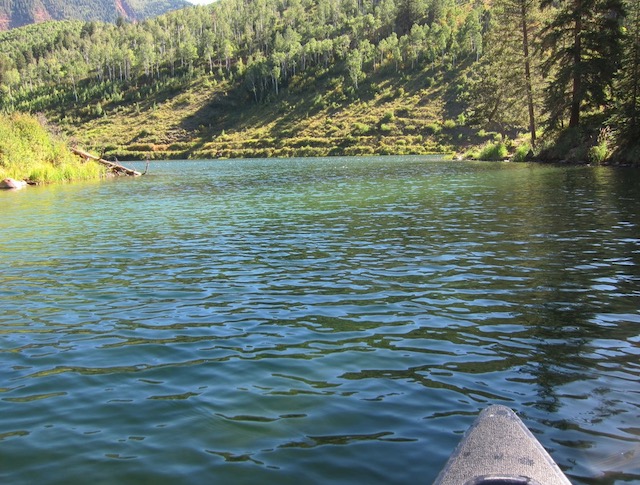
(28, 151)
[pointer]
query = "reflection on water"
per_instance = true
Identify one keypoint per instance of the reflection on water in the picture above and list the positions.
(319, 320)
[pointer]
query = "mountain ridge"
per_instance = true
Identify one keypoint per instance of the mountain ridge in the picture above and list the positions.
(18, 13)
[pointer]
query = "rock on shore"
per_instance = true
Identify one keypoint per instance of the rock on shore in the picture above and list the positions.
(10, 183)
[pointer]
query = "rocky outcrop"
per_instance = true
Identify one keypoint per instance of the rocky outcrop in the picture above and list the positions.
(24, 12)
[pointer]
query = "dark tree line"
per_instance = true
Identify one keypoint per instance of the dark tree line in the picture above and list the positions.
(568, 65)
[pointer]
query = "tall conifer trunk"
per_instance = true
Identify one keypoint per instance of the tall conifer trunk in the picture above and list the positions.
(635, 63)
(527, 72)
(576, 91)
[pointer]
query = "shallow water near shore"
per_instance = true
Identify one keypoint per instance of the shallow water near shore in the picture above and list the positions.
(338, 320)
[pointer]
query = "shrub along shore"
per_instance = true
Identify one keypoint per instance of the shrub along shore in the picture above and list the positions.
(30, 151)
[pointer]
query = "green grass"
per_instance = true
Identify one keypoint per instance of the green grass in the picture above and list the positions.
(28, 151)
(207, 116)
(493, 152)
(521, 152)
(598, 153)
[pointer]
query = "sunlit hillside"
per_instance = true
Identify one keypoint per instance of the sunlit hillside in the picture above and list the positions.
(270, 78)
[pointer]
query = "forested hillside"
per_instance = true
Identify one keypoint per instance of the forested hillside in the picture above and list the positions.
(17, 13)
(315, 77)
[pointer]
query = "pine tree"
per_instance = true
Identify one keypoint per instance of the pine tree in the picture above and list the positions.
(409, 12)
(626, 120)
(507, 86)
(522, 15)
(584, 40)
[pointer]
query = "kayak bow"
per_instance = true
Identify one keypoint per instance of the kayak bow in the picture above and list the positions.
(498, 449)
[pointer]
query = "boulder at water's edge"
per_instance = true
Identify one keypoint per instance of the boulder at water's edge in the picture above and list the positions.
(9, 183)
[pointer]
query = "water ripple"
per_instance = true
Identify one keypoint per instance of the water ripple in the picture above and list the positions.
(336, 320)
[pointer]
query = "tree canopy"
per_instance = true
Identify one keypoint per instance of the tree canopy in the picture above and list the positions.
(515, 64)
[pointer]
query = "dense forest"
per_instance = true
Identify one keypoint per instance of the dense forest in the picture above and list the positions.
(556, 79)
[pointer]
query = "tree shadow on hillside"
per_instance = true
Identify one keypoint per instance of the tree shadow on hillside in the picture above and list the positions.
(237, 110)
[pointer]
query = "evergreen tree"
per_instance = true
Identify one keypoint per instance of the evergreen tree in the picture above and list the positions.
(495, 91)
(584, 41)
(507, 85)
(522, 14)
(409, 12)
(627, 117)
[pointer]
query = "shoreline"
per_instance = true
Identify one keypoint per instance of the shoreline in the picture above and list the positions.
(125, 155)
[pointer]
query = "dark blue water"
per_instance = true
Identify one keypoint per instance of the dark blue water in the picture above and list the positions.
(317, 321)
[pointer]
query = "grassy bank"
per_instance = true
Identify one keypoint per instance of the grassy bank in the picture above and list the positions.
(209, 116)
(30, 151)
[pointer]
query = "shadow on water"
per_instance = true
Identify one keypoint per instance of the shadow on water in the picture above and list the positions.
(583, 321)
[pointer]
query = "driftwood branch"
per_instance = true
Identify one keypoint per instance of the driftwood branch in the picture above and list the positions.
(113, 167)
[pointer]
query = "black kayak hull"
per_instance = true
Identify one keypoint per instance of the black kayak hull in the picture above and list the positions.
(498, 449)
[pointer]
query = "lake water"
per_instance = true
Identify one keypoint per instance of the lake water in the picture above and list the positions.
(335, 320)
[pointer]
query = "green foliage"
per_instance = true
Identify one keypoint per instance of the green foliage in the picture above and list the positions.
(521, 153)
(385, 69)
(598, 153)
(318, 101)
(63, 62)
(575, 145)
(493, 152)
(504, 91)
(449, 124)
(626, 117)
(585, 43)
(29, 152)
(360, 129)
(472, 154)
(388, 117)
(433, 128)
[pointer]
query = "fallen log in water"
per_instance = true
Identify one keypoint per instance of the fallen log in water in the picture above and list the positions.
(113, 167)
